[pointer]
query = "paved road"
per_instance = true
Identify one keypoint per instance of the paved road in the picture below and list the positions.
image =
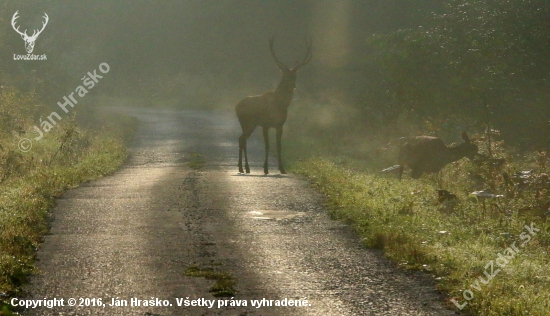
(134, 234)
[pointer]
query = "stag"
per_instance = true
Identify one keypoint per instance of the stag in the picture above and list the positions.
(268, 110)
(430, 154)
(29, 40)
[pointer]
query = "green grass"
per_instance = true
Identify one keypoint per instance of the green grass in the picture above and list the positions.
(31, 181)
(196, 161)
(224, 285)
(454, 241)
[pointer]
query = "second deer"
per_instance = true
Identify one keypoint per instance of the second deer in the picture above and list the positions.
(424, 154)
(268, 110)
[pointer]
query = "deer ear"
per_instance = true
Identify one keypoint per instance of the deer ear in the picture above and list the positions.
(465, 137)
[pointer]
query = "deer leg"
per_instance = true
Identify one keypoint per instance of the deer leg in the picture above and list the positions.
(265, 131)
(400, 171)
(247, 135)
(242, 146)
(246, 166)
(279, 136)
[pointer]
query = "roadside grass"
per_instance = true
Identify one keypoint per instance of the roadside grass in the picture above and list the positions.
(31, 181)
(464, 243)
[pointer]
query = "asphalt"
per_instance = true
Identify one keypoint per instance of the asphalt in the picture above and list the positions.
(134, 235)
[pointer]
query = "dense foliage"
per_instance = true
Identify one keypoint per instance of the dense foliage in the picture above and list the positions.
(478, 53)
(83, 145)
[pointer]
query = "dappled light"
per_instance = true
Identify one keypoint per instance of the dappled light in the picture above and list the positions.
(425, 125)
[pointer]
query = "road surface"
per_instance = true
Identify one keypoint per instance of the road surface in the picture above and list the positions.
(137, 235)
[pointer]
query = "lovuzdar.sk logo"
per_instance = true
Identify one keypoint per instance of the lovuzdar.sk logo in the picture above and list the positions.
(29, 40)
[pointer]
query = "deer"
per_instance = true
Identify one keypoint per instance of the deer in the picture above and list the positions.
(29, 40)
(426, 154)
(269, 110)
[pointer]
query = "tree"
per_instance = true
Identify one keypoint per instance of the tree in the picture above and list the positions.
(477, 50)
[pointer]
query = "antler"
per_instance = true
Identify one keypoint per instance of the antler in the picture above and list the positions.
(15, 17)
(308, 57)
(282, 66)
(279, 63)
(35, 33)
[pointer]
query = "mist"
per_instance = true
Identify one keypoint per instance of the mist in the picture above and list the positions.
(210, 54)
(150, 92)
(190, 49)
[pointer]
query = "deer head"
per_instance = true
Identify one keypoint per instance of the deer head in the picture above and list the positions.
(289, 74)
(29, 40)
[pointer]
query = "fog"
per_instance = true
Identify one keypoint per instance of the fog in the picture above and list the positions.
(210, 54)
(199, 49)
(381, 73)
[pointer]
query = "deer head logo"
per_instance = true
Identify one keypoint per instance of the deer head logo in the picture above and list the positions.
(29, 40)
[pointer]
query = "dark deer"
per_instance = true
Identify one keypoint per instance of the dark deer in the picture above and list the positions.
(430, 154)
(268, 110)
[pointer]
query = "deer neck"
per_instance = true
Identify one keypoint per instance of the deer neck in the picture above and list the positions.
(283, 95)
